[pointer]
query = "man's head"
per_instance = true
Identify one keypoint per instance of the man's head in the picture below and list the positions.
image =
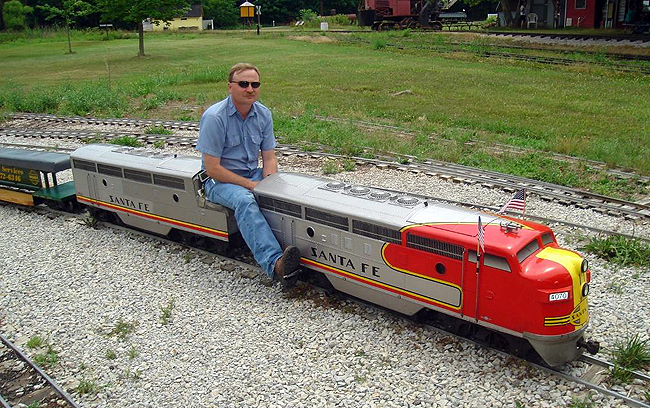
(243, 84)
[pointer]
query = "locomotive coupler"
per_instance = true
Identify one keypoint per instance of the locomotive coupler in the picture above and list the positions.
(591, 346)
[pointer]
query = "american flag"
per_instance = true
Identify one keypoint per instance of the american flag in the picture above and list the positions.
(517, 202)
(481, 235)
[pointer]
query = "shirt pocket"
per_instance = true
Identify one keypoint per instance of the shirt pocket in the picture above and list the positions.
(232, 140)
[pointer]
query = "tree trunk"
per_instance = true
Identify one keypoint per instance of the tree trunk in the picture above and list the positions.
(2, 22)
(507, 15)
(141, 39)
(67, 28)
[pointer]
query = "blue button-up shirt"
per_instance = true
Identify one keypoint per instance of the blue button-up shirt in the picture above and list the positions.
(236, 141)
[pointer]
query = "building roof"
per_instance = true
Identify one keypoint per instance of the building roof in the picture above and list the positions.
(195, 11)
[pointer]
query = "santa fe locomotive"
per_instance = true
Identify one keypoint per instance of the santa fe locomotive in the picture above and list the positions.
(393, 249)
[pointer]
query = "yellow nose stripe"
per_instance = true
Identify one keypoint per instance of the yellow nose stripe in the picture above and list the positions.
(568, 259)
(572, 263)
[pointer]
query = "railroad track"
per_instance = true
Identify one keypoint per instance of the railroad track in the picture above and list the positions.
(453, 172)
(23, 382)
(516, 56)
(383, 164)
(569, 36)
(185, 141)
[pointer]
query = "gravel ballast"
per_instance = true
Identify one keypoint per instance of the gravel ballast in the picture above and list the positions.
(235, 340)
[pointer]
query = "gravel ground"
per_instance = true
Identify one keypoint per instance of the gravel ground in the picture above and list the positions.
(234, 340)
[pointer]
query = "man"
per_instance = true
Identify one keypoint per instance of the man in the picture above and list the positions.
(231, 135)
(522, 15)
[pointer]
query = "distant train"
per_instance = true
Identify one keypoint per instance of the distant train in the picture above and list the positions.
(401, 14)
(393, 249)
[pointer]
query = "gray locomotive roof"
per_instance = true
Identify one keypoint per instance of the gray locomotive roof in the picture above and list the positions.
(42, 161)
(139, 159)
(314, 192)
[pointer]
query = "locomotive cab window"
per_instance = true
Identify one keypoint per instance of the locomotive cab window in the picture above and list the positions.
(547, 238)
(492, 261)
(528, 250)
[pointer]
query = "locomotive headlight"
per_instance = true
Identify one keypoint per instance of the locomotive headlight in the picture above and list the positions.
(585, 289)
(584, 267)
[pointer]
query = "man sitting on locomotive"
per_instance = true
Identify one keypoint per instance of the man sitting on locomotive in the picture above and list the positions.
(232, 133)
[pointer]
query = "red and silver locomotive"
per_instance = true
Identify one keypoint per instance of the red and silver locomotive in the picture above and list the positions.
(409, 255)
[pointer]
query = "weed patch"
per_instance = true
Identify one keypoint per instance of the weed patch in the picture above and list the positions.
(122, 329)
(619, 250)
(166, 312)
(158, 130)
(331, 167)
(48, 359)
(35, 342)
(87, 387)
(127, 141)
(630, 355)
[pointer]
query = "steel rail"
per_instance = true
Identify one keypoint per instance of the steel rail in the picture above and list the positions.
(603, 363)
(629, 401)
(47, 378)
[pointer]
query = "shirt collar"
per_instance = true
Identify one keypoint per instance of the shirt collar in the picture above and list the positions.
(232, 109)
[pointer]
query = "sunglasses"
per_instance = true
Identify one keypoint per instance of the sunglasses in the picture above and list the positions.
(244, 84)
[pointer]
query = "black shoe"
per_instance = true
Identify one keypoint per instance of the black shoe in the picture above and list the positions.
(287, 265)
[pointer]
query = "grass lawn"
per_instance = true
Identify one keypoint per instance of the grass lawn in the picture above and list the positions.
(450, 98)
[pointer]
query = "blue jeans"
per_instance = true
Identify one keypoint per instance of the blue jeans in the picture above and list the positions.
(252, 224)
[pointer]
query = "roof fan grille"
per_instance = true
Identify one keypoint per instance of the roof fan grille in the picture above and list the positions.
(408, 200)
(359, 190)
(380, 195)
(335, 185)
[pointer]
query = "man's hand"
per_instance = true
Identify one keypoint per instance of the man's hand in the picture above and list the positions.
(215, 170)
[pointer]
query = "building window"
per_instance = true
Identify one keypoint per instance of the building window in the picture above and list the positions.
(581, 4)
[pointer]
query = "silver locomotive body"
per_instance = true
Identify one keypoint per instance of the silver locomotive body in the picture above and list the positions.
(342, 231)
(156, 192)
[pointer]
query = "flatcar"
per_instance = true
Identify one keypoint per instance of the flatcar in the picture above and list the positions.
(393, 249)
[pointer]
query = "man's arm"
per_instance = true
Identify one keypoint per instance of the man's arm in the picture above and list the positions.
(215, 170)
(269, 163)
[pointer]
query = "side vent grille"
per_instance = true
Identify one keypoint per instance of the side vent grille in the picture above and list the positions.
(436, 247)
(109, 170)
(376, 232)
(332, 220)
(84, 165)
(284, 207)
(135, 175)
(171, 182)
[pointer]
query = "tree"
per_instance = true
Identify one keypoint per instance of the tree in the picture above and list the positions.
(223, 12)
(505, 7)
(71, 10)
(135, 11)
(13, 13)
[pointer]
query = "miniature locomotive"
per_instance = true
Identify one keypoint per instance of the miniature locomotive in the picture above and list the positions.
(393, 249)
